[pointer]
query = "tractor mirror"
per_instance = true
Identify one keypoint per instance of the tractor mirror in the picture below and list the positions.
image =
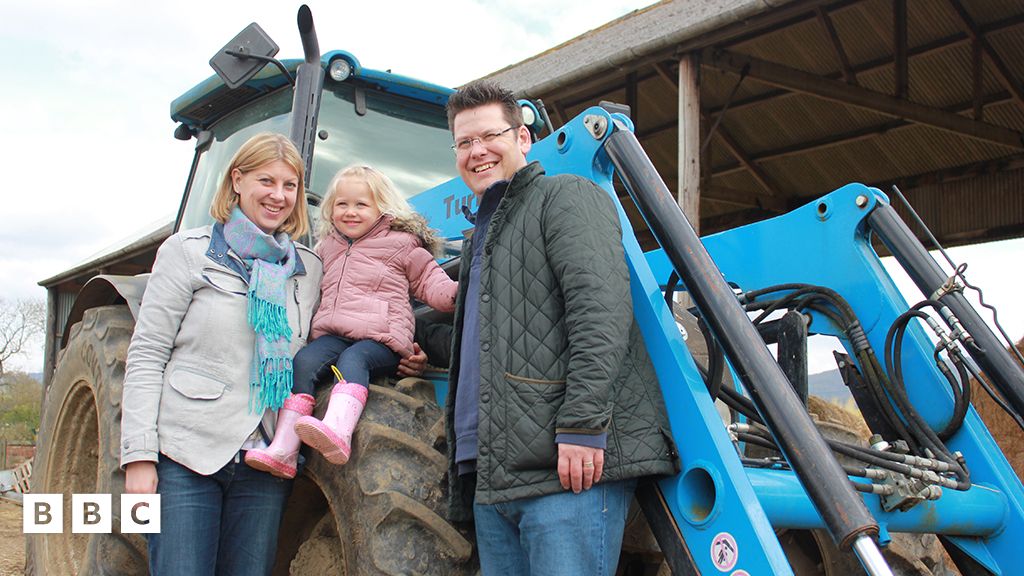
(244, 56)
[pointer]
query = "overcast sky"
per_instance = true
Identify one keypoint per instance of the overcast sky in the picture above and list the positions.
(88, 152)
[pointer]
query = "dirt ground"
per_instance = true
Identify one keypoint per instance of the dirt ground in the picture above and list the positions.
(12, 541)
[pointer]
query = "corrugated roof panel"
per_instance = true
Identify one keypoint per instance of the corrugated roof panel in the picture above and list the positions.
(929, 20)
(794, 119)
(804, 46)
(1009, 45)
(865, 30)
(1009, 114)
(990, 11)
(960, 214)
(716, 87)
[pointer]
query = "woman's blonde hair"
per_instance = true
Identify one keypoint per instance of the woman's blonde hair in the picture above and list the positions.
(258, 151)
(387, 197)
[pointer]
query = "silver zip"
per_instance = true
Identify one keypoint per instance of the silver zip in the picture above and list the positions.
(348, 251)
(298, 308)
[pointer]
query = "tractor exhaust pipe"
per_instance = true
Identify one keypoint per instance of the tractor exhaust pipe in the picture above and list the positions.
(309, 83)
(843, 511)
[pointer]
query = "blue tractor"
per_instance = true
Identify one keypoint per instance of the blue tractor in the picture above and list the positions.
(757, 486)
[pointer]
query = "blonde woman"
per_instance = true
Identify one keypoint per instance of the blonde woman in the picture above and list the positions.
(376, 252)
(209, 365)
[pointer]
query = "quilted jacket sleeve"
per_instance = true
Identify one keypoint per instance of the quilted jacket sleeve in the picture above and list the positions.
(164, 304)
(428, 281)
(583, 239)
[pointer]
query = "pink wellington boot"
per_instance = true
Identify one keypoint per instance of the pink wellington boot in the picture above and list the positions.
(333, 436)
(282, 455)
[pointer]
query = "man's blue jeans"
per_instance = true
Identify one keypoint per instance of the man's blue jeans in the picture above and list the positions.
(562, 534)
(224, 524)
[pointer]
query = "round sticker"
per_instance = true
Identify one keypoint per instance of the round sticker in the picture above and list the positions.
(724, 552)
(740, 573)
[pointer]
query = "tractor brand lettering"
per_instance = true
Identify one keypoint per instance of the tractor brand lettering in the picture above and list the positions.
(724, 552)
(453, 206)
(91, 514)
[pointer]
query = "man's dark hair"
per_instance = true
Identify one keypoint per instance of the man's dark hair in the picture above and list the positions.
(481, 93)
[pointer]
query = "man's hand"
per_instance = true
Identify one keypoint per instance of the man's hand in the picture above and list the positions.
(579, 467)
(140, 478)
(413, 365)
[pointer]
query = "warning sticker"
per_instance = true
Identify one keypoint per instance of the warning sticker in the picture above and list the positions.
(724, 552)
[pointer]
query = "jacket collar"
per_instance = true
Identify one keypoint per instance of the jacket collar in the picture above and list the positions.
(520, 181)
(219, 252)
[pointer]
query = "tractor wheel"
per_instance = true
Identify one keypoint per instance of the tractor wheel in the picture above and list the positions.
(382, 512)
(79, 448)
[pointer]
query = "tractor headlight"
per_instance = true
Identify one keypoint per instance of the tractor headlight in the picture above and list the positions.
(340, 70)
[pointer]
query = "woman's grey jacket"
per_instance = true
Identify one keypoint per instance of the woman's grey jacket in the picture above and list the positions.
(186, 386)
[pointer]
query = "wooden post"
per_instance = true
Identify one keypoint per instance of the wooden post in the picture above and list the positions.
(689, 138)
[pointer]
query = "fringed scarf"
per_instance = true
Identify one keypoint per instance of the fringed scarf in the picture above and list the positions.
(271, 261)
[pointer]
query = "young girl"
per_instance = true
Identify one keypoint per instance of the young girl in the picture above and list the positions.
(376, 252)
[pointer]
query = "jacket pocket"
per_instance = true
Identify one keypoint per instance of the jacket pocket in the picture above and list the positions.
(195, 385)
(225, 281)
(531, 409)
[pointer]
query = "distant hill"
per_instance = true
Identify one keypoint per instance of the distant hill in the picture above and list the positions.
(828, 386)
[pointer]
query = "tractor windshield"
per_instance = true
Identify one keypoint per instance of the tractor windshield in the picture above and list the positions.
(405, 138)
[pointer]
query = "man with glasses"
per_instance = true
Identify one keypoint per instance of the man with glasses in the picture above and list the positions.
(553, 408)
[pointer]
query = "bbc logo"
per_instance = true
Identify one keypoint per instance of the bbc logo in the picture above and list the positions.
(90, 513)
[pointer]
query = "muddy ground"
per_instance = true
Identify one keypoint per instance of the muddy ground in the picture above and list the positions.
(12, 541)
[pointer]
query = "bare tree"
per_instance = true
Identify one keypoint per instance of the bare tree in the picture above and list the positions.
(20, 322)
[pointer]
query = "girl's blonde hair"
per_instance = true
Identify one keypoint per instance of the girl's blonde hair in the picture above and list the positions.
(387, 197)
(258, 151)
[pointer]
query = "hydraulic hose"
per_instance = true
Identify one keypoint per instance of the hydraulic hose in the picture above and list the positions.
(1006, 374)
(843, 511)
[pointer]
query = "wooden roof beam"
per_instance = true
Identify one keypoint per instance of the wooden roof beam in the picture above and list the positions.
(848, 137)
(944, 43)
(1003, 74)
(899, 48)
(807, 83)
(837, 45)
(734, 148)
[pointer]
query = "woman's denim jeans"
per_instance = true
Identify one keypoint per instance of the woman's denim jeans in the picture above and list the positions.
(224, 524)
(562, 534)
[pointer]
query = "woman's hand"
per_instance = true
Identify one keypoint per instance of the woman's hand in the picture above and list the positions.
(140, 478)
(413, 365)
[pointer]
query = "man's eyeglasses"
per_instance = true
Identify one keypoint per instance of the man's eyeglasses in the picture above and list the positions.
(463, 146)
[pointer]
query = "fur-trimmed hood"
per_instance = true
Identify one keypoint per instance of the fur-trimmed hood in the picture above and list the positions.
(417, 226)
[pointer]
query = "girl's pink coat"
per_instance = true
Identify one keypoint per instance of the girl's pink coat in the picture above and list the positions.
(366, 286)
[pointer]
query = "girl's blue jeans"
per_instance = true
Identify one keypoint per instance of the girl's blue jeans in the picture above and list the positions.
(358, 361)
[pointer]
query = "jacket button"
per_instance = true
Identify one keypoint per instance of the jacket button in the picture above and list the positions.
(485, 347)
(485, 298)
(484, 450)
(485, 397)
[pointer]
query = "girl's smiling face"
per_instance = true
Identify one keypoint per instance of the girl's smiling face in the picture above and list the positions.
(355, 210)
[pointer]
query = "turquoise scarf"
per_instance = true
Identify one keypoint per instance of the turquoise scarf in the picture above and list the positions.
(270, 261)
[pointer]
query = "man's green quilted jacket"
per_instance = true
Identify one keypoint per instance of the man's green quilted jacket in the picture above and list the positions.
(559, 349)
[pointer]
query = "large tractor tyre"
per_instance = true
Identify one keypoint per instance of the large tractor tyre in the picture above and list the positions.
(382, 513)
(79, 449)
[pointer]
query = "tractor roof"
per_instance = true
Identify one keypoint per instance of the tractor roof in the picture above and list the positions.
(211, 100)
